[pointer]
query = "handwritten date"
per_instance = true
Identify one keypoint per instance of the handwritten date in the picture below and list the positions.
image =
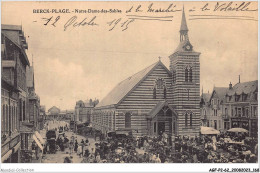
(74, 22)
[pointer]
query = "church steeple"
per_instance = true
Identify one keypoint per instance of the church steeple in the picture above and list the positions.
(184, 28)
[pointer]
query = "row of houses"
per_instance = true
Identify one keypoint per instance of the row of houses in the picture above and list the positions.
(21, 113)
(231, 107)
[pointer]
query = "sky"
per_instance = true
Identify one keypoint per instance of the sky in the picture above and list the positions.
(86, 62)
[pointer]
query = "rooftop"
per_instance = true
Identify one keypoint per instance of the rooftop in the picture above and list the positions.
(244, 87)
(124, 87)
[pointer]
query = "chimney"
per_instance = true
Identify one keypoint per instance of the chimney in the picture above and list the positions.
(230, 85)
(238, 78)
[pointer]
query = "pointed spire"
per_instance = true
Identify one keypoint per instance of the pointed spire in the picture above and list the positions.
(184, 26)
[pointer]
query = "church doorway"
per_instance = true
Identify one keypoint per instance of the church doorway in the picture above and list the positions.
(161, 127)
(162, 119)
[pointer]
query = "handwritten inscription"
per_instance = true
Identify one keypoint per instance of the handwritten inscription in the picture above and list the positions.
(231, 6)
(122, 23)
(72, 22)
(147, 12)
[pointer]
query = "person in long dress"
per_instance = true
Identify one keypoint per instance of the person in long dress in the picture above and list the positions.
(76, 146)
(71, 147)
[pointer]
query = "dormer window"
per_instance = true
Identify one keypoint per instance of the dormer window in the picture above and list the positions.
(237, 98)
(164, 93)
(154, 93)
(244, 97)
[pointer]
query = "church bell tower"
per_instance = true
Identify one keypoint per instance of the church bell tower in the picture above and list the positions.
(185, 68)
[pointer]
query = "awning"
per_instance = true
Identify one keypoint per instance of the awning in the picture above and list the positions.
(38, 142)
(38, 135)
(6, 156)
(236, 130)
(208, 131)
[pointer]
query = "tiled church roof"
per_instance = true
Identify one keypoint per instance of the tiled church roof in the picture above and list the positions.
(124, 87)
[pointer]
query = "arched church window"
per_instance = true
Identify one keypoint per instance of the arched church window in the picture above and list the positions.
(127, 120)
(173, 76)
(164, 92)
(186, 74)
(190, 119)
(190, 75)
(154, 92)
(186, 119)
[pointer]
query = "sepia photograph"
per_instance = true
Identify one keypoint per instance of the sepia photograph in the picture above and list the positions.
(155, 82)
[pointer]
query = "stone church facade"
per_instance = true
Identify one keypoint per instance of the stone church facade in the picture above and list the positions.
(156, 99)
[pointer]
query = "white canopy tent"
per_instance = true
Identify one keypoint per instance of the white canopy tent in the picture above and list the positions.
(208, 131)
(236, 130)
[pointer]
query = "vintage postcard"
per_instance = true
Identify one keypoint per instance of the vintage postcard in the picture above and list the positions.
(129, 82)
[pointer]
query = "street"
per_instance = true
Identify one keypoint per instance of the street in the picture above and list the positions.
(60, 155)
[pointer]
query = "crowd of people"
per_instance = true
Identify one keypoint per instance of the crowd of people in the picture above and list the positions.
(223, 148)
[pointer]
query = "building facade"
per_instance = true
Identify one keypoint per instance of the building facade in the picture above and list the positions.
(231, 107)
(212, 108)
(156, 99)
(83, 110)
(42, 117)
(53, 113)
(13, 91)
(240, 108)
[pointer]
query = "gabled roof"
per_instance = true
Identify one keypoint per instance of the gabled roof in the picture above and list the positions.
(159, 107)
(53, 107)
(122, 89)
(245, 87)
(206, 97)
(220, 92)
(5, 30)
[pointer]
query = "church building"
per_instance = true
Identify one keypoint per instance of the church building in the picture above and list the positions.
(156, 99)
